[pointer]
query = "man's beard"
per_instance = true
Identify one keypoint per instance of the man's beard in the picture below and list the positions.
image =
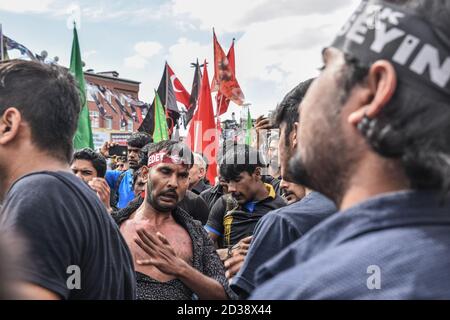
(156, 204)
(3, 187)
(328, 167)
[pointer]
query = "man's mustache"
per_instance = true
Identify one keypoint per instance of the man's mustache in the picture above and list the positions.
(171, 193)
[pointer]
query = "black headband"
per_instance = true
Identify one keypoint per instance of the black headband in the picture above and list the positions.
(418, 51)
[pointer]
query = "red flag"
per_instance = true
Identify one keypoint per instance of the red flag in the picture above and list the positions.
(221, 101)
(203, 135)
(139, 115)
(224, 78)
(180, 92)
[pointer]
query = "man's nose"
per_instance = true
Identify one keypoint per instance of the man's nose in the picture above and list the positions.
(284, 184)
(231, 187)
(173, 181)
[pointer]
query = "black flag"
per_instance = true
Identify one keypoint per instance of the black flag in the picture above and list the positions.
(169, 101)
(196, 85)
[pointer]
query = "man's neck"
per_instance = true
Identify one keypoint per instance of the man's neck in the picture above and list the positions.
(374, 176)
(262, 193)
(153, 216)
(36, 162)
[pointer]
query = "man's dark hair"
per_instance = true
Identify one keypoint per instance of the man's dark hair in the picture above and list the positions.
(97, 160)
(287, 111)
(240, 158)
(136, 174)
(143, 155)
(173, 148)
(413, 128)
(48, 100)
(139, 140)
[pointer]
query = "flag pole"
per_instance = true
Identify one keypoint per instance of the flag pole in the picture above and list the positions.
(1, 43)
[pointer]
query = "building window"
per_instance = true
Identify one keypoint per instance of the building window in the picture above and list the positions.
(108, 96)
(90, 95)
(130, 125)
(109, 123)
(95, 119)
(122, 100)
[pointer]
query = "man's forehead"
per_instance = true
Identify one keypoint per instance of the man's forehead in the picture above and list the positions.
(173, 167)
(82, 164)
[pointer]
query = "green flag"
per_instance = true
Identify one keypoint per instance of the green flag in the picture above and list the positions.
(249, 127)
(83, 136)
(161, 132)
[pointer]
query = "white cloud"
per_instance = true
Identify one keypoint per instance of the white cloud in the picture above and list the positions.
(136, 62)
(26, 6)
(88, 54)
(144, 51)
(148, 49)
(183, 53)
(279, 43)
(225, 16)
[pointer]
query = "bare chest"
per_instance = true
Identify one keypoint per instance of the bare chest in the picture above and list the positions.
(177, 236)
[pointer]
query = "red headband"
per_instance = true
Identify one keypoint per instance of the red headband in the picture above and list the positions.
(163, 157)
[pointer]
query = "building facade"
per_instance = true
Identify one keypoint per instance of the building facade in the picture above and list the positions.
(106, 90)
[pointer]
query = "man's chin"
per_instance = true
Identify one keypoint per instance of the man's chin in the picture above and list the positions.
(164, 207)
(296, 172)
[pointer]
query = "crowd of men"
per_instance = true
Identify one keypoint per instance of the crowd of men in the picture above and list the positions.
(352, 200)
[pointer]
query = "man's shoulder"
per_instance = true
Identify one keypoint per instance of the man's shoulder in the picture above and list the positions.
(44, 182)
(187, 222)
(273, 203)
(49, 189)
(304, 208)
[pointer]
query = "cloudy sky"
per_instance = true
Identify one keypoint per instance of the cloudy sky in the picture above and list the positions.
(278, 43)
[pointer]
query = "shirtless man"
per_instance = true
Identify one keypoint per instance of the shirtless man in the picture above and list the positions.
(173, 255)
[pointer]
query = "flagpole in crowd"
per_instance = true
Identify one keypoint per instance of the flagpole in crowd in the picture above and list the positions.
(83, 137)
(1, 43)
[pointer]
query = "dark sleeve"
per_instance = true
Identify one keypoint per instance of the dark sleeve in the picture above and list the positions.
(215, 220)
(273, 233)
(51, 236)
(212, 266)
(202, 210)
(205, 195)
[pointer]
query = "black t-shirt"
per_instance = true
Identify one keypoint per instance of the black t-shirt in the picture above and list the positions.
(233, 223)
(212, 195)
(195, 206)
(65, 226)
(200, 187)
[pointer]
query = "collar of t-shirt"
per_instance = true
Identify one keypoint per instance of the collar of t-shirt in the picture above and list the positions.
(250, 206)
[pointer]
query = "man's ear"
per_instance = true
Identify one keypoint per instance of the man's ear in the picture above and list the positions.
(294, 136)
(381, 85)
(144, 173)
(258, 173)
(9, 125)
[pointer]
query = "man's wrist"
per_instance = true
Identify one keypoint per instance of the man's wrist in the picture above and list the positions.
(182, 269)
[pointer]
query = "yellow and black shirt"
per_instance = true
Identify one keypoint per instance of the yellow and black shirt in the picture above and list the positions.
(233, 223)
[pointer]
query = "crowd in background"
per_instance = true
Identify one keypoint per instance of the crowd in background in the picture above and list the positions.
(348, 199)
